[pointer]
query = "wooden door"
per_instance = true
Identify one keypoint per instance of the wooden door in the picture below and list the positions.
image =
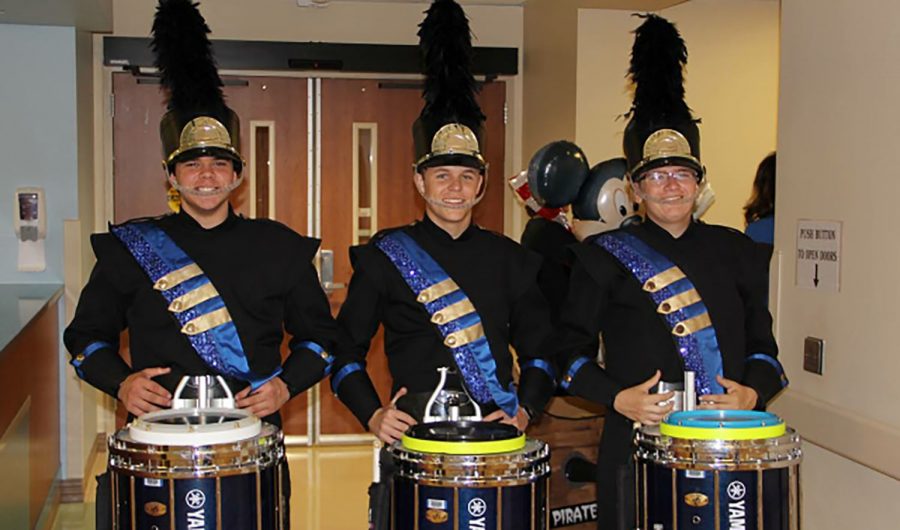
(368, 153)
(273, 139)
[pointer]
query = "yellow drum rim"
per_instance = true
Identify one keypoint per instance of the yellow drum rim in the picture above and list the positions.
(487, 447)
(704, 433)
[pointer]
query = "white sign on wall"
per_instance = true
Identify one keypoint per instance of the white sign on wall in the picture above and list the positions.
(818, 255)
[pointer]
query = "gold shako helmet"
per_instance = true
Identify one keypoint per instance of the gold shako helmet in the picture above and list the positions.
(448, 131)
(661, 130)
(197, 123)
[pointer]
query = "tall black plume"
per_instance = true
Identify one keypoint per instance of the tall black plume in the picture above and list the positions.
(445, 41)
(658, 58)
(185, 61)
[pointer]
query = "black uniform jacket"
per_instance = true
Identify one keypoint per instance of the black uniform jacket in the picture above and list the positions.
(262, 269)
(728, 272)
(497, 275)
(551, 240)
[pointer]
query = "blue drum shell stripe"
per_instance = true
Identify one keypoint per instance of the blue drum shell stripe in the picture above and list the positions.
(475, 360)
(219, 347)
(700, 350)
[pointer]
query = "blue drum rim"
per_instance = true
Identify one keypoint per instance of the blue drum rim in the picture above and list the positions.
(723, 425)
(733, 419)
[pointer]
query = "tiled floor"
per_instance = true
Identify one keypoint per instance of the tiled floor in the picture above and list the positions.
(329, 491)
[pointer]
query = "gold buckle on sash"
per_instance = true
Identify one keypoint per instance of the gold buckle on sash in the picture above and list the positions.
(453, 312)
(437, 290)
(692, 325)
(663, 279)
(679, 301)
(464, 336)
(207, 322)
(193, 298)
(177, 276)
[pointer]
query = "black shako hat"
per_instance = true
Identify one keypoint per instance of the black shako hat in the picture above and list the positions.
(661, 130)
(197, 122)
(448, 131)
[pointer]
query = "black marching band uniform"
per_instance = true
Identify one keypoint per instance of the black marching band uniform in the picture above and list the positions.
(200, 301)
(661, 302)
(445, 302)
(498, 277)
(264, 274)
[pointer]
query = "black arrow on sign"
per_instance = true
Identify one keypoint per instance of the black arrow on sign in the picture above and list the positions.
(816, 277)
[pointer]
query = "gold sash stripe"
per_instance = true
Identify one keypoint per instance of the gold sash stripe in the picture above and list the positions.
(663, 279)
(207, 322)
(679, 301)
(692, 325)
(177, 276)
(464, 336)
(192, 298)
(453, 311)
(436, 291)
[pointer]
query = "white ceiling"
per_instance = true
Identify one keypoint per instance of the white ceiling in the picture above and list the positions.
(88, 15)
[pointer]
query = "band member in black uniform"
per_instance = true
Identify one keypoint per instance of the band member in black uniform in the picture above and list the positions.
(670, 294)
(203, 291)
(449, 293)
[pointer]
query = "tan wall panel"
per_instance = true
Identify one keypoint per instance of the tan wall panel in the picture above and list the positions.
(837, 123)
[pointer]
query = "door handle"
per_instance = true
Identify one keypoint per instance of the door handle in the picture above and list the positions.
(326, 271)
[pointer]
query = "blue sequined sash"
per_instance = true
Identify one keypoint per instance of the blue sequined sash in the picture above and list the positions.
(192, 298)
(677, 301)
(454, 315)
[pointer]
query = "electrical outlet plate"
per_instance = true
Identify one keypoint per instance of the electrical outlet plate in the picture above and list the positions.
(814, 355)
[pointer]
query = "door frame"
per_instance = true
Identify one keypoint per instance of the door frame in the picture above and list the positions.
(103, 198)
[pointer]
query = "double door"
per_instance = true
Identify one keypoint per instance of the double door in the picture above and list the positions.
(330, 158)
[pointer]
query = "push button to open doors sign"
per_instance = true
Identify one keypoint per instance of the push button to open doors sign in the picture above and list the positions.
(819, 255)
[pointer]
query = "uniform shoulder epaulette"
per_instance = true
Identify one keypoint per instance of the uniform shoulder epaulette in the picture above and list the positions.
(147, 219)
(731, 231)
(385, 231)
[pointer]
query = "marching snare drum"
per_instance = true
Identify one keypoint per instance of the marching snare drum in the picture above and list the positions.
(211, 469)
(469, 475)
(718, 470)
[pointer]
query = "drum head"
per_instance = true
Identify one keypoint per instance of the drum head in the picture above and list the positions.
(463, 437)
(194, 427)
(723, 425)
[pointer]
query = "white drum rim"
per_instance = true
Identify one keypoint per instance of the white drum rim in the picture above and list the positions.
(142, 430)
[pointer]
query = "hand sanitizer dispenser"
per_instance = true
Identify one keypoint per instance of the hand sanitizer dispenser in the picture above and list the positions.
(31, 228)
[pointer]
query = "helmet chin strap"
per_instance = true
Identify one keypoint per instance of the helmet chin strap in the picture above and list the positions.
(462, 206)
(184, 190)
(689, 199)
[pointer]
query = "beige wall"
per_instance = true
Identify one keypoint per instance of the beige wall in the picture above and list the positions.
(731, 84)
(838, 117)
(363, 22)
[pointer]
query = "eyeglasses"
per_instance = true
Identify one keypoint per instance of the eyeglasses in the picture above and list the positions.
(659, 177)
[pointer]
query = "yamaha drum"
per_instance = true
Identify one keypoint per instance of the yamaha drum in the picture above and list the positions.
(469, 475)
(197, 468)
(718, 470)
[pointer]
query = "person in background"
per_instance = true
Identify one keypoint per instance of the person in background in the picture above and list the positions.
(759, 212)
